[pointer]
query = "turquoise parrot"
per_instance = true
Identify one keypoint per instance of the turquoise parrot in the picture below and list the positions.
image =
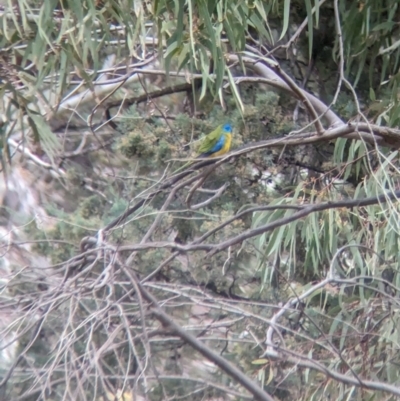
(216, 143)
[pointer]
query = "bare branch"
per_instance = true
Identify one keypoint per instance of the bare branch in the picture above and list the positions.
(222, 363)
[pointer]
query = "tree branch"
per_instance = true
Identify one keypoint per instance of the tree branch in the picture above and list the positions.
(222, 363)
(308, 363)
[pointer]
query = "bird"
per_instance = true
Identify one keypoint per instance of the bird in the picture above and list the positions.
(216, 143)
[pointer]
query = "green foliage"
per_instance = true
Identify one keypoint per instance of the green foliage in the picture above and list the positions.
(91, 206)
(265, 118)
(137, 143)
(199, 38)
(345, 106)
(96, 320)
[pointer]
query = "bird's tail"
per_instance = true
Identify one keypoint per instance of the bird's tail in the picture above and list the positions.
(186, 165)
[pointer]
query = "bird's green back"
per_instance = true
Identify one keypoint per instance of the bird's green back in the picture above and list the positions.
(210, 140)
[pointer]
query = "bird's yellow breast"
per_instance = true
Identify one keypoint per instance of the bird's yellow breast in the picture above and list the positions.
(226, 147)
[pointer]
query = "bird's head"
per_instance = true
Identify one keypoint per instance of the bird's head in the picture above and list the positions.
(227, 128)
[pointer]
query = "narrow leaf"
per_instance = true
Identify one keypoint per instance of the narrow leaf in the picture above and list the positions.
(286, 12)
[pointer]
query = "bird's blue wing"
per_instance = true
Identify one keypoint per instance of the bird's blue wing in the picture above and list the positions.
(219, 145)
(216, 148)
